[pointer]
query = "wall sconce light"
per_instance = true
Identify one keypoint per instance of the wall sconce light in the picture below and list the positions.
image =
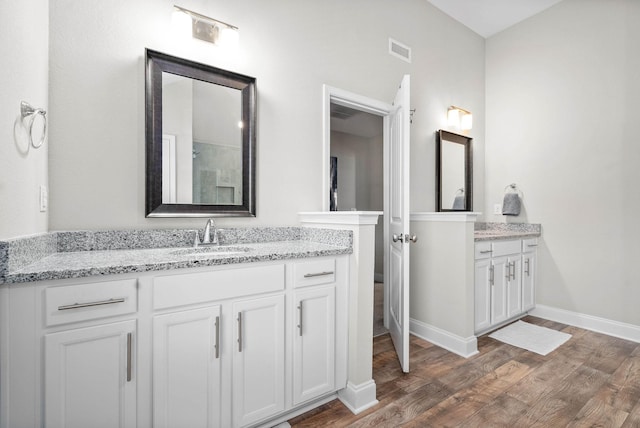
(459, 118)
(204, 28)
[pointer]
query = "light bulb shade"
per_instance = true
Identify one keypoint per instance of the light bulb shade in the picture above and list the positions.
(453, 117)
(228, 37)
(466, 121)
(181, 24)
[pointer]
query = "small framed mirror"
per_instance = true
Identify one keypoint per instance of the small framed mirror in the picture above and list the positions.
(200, 139)
(454, 172)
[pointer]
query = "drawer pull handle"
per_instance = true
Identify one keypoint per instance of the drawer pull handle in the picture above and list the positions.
(532, 245)
(486, 251)
(313, 275)
(88, 305)
(129, 352)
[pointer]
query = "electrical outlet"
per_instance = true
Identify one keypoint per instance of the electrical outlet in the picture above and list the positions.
(497, 209)
(44, 199)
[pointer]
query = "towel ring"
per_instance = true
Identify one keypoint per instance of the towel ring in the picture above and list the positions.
(27, 111)
(460, 192)
(512, 188)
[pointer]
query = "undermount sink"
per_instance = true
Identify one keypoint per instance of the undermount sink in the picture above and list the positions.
(207, 251)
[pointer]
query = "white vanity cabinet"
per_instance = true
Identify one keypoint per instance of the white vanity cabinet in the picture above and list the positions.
(89, 371)
(314, 340)
(239, 345)
(504, 281)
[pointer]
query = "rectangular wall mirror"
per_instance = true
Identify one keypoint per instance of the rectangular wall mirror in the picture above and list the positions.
(200, 139)
(454, 172)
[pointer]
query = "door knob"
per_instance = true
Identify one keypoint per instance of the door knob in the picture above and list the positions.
(412, 238)
(396, 238)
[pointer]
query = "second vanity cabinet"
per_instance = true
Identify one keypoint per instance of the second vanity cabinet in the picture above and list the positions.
(226, 346)
(504, 281)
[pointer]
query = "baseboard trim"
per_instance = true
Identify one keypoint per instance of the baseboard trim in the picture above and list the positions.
(359, 398)
(589, 322)
(465, 347)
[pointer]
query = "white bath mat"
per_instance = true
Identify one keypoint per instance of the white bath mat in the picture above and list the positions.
(534, 338)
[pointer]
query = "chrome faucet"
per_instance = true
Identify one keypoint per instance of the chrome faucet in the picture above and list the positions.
(209, 236)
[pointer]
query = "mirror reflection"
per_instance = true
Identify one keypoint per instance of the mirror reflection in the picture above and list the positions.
(200, 138)
(454, 187)
(202, 142)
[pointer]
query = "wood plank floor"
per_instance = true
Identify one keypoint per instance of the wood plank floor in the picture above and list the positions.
(593, 380)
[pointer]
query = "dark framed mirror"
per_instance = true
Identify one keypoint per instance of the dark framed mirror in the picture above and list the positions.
(454, 172)
(200, 139)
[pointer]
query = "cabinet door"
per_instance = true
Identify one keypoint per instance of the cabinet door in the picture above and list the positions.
(514, 287)
(186, 369)
(529, 263)
(258, 359)
(482, 298)
(499, 290)
(89, 377)
(314, 344)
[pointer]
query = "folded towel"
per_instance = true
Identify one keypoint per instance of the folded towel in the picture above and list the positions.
(511, 204)
(458, 203)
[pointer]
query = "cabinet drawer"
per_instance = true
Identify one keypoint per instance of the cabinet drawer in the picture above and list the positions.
(82, 302)
(193, 288)
(504, 248)
(483, 250)
(529, 245)
(314, 272)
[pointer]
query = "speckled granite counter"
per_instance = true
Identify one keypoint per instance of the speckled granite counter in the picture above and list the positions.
(61, 255)
(497, 231)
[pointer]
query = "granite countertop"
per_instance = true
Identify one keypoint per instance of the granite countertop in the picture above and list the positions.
(503, 231)
(74, 261)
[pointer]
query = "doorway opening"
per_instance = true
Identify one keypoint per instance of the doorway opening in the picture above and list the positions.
(357, 181)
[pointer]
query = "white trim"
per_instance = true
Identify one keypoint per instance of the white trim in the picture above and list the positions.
(589, 322)
(359, 398)
(341, 217)
(284, 417)
(461, 216)
(465, 347)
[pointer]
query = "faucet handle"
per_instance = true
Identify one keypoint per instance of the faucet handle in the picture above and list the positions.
(196, 240)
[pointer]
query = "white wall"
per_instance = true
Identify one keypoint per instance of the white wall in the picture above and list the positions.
(562, 114)
(24, 34)
(292, 48)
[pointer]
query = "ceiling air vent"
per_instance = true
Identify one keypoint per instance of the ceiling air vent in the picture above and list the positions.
(399, 50)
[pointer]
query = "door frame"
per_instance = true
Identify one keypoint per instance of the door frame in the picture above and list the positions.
(375, 107)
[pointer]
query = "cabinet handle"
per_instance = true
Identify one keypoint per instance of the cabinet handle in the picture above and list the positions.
(526, 267)
(532, 245)
(508, 274)
(513, 271)
(491, 275)
(486, 251)
(313, 275)
(300, 310)
(89, 304)
(129, 352)
(239, 331)
(217, 345)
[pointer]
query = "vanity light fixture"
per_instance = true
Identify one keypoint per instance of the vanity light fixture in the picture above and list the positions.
(204, 28)
(459, 118)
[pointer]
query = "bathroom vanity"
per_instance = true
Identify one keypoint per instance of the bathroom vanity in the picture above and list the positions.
(245, 334)
(468, 278)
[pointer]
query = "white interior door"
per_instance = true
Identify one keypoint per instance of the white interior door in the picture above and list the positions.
(397, 218)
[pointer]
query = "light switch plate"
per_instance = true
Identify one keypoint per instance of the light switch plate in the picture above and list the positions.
(497, 209)
(44, 199)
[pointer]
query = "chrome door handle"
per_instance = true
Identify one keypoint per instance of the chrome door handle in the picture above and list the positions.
(239, 331)
(396, 238)
(217, 342)
(300, 313)
(513, 270)
(412, 238)
(129, 355)
(491, 273)
(527, 267)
